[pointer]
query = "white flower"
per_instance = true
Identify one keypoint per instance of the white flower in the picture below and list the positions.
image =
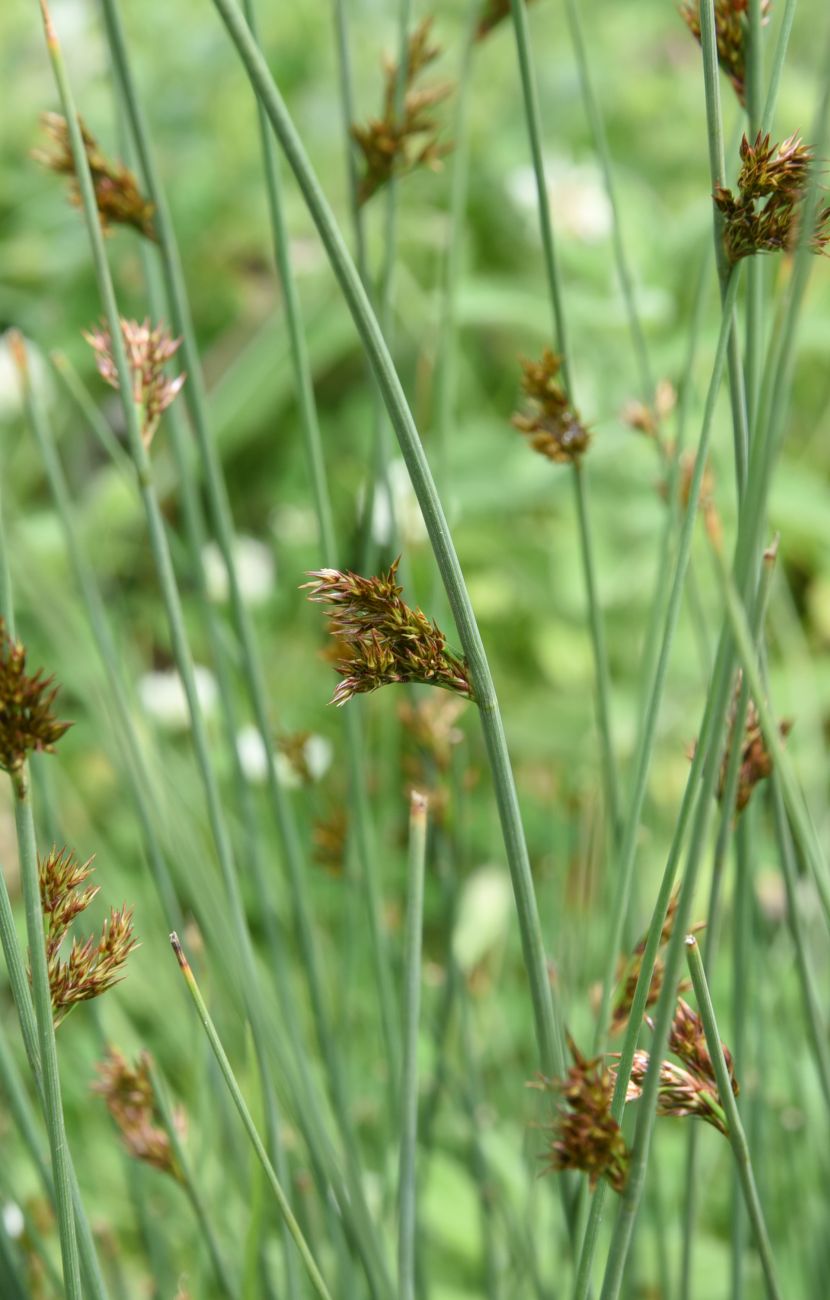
(13, 1220)
(405, 515)
(255, 570)
(579, 202)
(163, 697)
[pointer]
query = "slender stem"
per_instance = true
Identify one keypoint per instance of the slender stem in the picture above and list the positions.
(778, 60)
(737, 1137)
(250, 1128)
(755, 271)
(550, 1050)
(79, 394)
(410, 1020)
(533, 119)
(347, 113)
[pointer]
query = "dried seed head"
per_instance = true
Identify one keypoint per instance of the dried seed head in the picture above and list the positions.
(95, 965)
(687, 1041)
(731, 31)
(380, 639)
(27, 722)
(493, 12)
(585, 1134)
(148, 351)
(552, 427)
(764, 216)
(756, 761)
(119, 200)
(631, 967)
(680, 1093)
(393, 146)
(128, 1091)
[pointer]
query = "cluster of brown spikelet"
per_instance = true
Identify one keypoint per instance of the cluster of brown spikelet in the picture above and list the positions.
(128, 1092)
(27, 722)
(148, 351)
(764, 215)
(732, 35)
(380, 639)
(551, 426)
(117, 195)
(395, 144)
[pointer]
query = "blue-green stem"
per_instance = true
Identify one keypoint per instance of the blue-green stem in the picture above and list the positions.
(736, 1134)
(407, 1222)
(545, 1019)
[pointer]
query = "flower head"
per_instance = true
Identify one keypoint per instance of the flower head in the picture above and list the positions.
(680, 1093)
(379, 639)
(764, 215)
(756, 760)
(117, 195)
(552, 427)
(632, 967)
(95, 965)
(27, 722)
(585, 1134)
(128, 1091)
(393, 145)
(732, 34)
(148, 351)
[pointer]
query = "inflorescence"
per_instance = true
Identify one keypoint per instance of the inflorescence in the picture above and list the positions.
(552, 427)
(732, 35)
(27, 721)
(764, 216)
(128, 1092)
(148, 351)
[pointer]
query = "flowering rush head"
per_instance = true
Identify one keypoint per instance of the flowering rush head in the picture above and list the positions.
(380, 639)
(731, 33)
(27, 721)
(765, 214)
(148, 351)
(117, 195)
(585, 1134)
(128, 1092)
(552, 426)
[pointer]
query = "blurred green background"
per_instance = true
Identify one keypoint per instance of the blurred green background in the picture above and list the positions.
(514, 525)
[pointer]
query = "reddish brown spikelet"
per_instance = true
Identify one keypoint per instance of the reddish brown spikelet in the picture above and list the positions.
(95, 965)
(552, 426)
(27, 721)
(392, 146)
(117, 195)
(764, 215)
(148, 351)
(687, 1041)
(382, 640)
(630, 972)
(756, 761)
(585, 1134)
(732, 34)
(128, 1092)
(680, 1093)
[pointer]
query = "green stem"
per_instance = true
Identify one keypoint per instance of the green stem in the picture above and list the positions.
(410, 1021)
(736, 1134)
(346, 90)
(250, 1128)
(533, 948)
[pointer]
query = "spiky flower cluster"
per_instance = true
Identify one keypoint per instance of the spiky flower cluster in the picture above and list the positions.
(732, 34)
(756, 760)
(27, 721)
(379, 639)
(95, 965)
(394, 145)
(764, 215)
(493, 12)
(585, 1134)
(128, 1092)
(117, 195)
(689, 1089)
(148, 351)
(552, 427)
(631, 968)
(648, 418)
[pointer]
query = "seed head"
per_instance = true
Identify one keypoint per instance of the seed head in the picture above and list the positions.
(585, 1134)
(117, 195)
(764, 216)
(756, 760)
(95, 965)
(27, 722)
(680, 1094)
(380, 639)
(148, 351)
(632, 966)
(552, 426)
(128, 1091)
(731, 31)
(393, 146)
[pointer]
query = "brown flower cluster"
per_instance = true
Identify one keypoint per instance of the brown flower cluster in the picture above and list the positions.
(764, 215)
(648, 418)
(380, 639)
(27, 721)
(689, 1089)
(756, 760)
(128, 1092)
(552, 427)
(493, 12)
(119, 200)
(732, 34)
(391, 145)
(585, 1134)
(630, 973)
(148, 351)
(95, 965)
